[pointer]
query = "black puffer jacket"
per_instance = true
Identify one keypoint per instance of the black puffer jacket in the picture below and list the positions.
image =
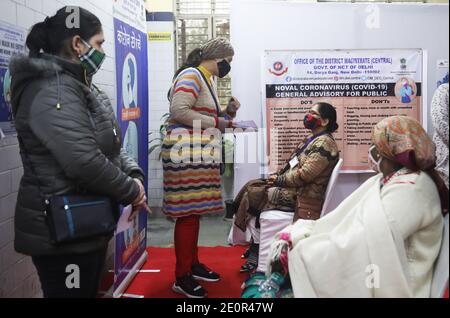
(70, 140)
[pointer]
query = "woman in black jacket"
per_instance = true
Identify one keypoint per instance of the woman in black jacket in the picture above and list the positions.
(69, 142)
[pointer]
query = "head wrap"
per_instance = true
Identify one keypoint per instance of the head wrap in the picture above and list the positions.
(403, 140)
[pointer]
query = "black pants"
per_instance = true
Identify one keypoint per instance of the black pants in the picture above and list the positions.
(60, 277)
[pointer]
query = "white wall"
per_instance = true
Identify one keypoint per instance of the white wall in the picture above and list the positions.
(295, 26)
(17, 274)
(161, 67)
(159, 5)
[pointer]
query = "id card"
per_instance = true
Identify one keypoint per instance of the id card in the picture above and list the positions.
(294, 162)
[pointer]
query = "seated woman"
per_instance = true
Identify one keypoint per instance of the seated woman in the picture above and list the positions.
(383, 240)
(304, 179)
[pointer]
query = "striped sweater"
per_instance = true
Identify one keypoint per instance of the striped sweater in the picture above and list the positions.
(191, 100)
(191, 188)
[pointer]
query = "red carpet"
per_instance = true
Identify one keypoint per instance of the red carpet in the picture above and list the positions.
(224, 260)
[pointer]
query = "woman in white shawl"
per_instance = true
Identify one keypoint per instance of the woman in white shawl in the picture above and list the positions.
(383, 240)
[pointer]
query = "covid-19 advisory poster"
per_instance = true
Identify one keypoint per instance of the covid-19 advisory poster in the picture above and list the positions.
(364, 86)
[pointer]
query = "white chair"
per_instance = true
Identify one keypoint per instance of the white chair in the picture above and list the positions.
(237, 236)
(331, 184)
(273, 222)
(439, 283)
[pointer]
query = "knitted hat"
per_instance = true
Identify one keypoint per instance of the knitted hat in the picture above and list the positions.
(217, 48)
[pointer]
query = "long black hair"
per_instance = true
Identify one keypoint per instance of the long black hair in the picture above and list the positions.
(327, 111)
(53, 35)
(194, 59)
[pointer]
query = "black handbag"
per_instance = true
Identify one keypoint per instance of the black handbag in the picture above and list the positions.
(77, 216)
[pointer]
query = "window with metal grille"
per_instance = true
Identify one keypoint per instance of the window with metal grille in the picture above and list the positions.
(197, 22)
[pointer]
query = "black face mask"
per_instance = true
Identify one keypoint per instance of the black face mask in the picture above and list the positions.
(224, 68)
(311, 122)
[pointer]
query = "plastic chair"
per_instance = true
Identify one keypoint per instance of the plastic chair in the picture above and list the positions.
(331, 184)
(273, 222)
(237, 237)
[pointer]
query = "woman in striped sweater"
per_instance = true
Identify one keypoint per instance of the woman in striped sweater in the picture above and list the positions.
(191, 160)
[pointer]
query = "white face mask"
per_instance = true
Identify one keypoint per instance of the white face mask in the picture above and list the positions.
(375, 165)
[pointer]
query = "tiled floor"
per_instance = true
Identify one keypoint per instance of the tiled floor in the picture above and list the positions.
(213, 230)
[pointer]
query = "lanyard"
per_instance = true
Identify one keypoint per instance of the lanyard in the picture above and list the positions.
(298, 152)
(308, 142)
(211, 91)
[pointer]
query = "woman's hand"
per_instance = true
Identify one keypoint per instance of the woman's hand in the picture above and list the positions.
(224, 124)
(271, 180)
(141, 198)
(233, 106)
(140, 202)
(136, 211)
(234, 103)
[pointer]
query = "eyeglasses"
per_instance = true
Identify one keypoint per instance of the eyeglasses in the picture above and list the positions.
(374, 153)
(314, 113)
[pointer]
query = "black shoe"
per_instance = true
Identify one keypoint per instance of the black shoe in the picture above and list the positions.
(251, 264)
(248, 267)
(201, 272)
(246, 254)
(189, 287)
(230, 210)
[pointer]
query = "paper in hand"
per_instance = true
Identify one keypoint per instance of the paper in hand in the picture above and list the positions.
(246, 125)
(124, 224)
